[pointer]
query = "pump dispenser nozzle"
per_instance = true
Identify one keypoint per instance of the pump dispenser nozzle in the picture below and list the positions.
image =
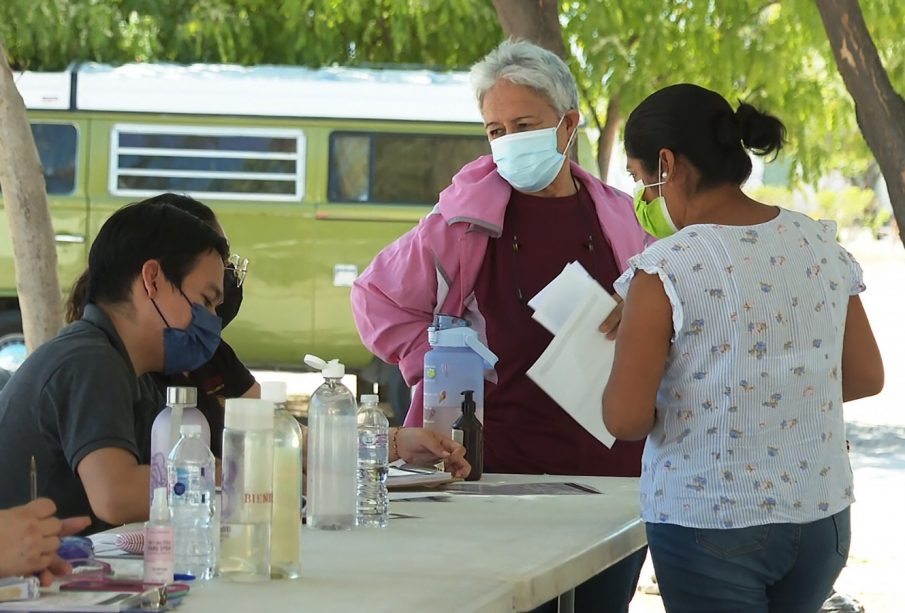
(468, 405)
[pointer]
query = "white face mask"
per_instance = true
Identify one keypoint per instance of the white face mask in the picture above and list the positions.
(530, 161)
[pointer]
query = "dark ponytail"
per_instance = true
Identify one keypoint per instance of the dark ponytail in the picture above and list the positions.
(700, 125)
(761, 133)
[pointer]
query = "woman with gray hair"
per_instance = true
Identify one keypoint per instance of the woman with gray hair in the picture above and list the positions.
(505, 228)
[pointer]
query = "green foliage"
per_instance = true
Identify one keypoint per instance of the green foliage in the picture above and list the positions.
(772, 54)
(49, 34)
(850, 207)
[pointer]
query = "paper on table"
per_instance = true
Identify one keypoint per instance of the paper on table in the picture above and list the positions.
(575, 367)
(556, 302)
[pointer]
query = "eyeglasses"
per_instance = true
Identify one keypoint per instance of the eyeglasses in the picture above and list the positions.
(239, 266)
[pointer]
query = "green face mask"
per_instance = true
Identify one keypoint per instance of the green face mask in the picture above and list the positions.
(653, 216)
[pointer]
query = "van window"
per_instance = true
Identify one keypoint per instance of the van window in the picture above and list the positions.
(397, 168)
(225, 163)
(57, 145)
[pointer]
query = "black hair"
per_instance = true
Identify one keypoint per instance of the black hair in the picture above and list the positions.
(153, 229)
(189, 205)
(700, 125)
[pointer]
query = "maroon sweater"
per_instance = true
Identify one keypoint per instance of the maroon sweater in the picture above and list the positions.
(525, 431)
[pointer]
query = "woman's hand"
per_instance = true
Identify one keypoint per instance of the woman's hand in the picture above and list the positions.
(424, 447)
(29, 539)
(611, 323)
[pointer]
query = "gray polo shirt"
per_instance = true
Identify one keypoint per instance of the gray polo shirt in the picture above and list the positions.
(76, 394)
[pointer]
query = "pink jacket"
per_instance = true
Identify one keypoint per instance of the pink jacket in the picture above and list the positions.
(433, 267)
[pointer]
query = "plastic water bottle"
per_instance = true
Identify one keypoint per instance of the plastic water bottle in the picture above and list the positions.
(373, 463)
(247, 490)
(332, 450)
(455, 363)
(190, 469)
(286, 528)
(181, 408)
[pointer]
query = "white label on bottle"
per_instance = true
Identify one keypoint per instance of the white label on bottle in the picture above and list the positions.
(458, 436)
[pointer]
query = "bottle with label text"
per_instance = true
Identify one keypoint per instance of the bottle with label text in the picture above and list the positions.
(286, 528)
(373, 463)
(468, 432)
(332, 451)
(181, 408)
(247, 490)
(190, 470)
(158, 545)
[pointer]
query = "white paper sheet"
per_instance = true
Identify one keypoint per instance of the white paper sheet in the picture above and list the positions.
(575, 367)
(555, 303)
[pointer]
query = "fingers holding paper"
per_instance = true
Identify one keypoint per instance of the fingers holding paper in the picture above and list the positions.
(611, 323)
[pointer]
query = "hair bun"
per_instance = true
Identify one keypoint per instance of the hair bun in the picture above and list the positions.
(761, 133)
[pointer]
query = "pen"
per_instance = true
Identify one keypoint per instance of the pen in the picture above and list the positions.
(33, 479)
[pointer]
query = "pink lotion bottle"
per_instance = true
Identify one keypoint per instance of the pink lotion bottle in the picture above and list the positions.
(158, 547)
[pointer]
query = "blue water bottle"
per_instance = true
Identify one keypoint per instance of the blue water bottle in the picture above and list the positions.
(455, 363)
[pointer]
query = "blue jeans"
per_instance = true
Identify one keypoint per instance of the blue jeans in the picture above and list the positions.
(776, 568)
(610, 591)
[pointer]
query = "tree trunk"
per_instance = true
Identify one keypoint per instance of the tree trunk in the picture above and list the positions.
(608, 137)
(25, 201)
(536, 21)
(879, 109)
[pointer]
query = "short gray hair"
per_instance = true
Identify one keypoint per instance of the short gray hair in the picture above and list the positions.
(524, 63)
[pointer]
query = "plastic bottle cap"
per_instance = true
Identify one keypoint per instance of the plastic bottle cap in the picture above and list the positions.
(248, 414)
(333, 369)
(190, 429)
(182, 395)
(159, 508)
(370, 399)
(273, 391)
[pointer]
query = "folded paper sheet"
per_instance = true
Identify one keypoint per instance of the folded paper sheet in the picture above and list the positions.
(575, 367)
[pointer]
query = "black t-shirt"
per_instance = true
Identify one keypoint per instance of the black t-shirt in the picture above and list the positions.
(74, 395)
(224, 376)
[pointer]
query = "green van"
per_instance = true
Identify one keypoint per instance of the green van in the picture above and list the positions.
(311, 173)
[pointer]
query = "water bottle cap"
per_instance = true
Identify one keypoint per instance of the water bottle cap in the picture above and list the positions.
(182, 395)
(331, 370)
(370, 399)
(273, 391)
(248, 414)
(190, 429)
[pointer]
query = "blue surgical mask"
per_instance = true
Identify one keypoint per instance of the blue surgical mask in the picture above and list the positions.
(529, 161)
(185, 350)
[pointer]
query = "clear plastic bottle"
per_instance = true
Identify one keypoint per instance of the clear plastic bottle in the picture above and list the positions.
(373, 463)
(286, 528)
(190, 470)
(159, 541)
(181, 408)
(247, 490)
(332, 451)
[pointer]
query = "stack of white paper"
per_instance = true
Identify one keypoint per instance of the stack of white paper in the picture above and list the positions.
(575, 367)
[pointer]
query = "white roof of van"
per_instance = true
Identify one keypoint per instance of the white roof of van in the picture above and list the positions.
(220, 89)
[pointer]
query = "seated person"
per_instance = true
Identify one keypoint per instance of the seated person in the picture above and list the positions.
(80, 404)
(224, 375)
(76, 404)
